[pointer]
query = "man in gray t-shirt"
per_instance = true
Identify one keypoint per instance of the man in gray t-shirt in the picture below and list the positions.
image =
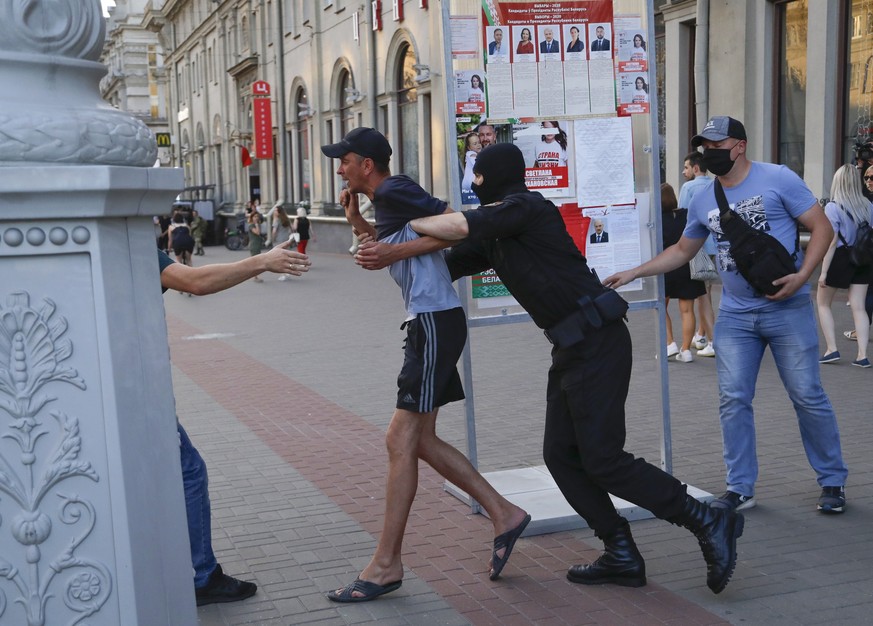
(436, 333)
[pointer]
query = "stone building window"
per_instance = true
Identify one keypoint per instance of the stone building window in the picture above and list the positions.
(407, 113)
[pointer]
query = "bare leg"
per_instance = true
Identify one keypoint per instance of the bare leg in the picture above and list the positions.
(706, 314)
(455, 467)
(857, 296)
(669, 321)
(686, 310)
(824, 297)
(402, 440)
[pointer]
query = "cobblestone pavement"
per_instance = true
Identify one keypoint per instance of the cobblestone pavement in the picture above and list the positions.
(286, 388)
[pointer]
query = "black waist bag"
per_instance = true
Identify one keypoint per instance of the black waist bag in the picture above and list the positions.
(760, 258)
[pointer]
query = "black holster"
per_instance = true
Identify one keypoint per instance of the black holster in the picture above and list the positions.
(591, 315)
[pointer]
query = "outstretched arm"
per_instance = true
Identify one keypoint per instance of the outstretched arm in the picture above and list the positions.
(449, 226)
(207, 279)
(671, 258)
(375, 256)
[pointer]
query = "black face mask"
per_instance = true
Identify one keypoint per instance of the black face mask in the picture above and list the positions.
(486, 193)
(502, 168)
(718, 160)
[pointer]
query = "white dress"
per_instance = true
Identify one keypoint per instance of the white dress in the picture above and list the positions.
(469, 161)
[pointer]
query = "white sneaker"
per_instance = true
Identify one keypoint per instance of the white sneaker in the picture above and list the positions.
(699, 341)
(283, 277)
(707, 351)
(685, 356)
(672, 349)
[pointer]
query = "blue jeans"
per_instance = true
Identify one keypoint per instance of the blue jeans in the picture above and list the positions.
(196, 483)
(790, 331)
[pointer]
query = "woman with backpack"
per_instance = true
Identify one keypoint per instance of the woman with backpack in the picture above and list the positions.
(847, 210)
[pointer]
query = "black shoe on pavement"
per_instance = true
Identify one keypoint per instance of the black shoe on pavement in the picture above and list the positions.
(620, 564)
(733, 501)
(717, 531)
(832, 500)
(223, 588)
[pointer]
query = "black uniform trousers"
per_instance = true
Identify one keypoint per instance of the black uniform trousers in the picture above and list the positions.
(584, 439)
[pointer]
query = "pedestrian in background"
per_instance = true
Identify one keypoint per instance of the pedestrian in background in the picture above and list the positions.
(281, 229)
(694, 172)
(180, 239)
(303, 227)
(256, 240)
(771, 198)
(198, 231)
(677, 283)
(847, 209)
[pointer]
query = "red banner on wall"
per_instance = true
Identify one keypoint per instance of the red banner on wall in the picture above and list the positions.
(263, 131)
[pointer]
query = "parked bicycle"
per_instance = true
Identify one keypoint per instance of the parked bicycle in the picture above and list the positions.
(238, 238)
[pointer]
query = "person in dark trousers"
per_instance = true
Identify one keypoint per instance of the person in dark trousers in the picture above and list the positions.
(211, 584)
(522, 237)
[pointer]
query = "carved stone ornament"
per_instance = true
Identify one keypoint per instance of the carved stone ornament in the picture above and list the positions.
(51, 110)
(46, 445)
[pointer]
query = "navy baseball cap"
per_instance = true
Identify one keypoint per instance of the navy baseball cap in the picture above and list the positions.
(718, 128)
(368, 142)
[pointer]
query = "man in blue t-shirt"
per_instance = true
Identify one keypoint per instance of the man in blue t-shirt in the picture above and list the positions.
(211, 584)
(436, 329)
(773, 199)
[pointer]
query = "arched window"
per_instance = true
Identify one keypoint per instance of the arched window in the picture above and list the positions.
(304, 158)
(346, 101)
(407, 113)
(244, 31)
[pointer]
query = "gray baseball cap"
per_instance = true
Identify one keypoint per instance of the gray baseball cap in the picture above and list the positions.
(718, 128)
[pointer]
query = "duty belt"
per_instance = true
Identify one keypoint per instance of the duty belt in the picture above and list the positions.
(591, 315)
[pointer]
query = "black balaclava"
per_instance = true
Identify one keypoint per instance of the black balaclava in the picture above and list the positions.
(502, 166)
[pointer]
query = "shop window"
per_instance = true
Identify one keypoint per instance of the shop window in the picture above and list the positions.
(792, 26)
(858, 84)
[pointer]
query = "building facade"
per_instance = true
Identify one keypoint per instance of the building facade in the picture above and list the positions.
(799, 73)
(136, 80)
(331, 66)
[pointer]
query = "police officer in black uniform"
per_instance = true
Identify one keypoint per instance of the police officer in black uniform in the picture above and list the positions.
(522, 237)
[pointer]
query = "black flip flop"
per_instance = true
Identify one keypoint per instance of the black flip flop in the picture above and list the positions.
(370, 590)
(506, 540)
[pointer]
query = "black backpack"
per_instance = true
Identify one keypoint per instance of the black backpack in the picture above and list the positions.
(760, 258)
(860, 252)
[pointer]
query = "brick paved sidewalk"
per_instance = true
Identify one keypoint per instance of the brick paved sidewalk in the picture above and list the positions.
(289, 409)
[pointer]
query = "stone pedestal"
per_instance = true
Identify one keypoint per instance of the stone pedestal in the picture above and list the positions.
(92, 516)
(92, 519)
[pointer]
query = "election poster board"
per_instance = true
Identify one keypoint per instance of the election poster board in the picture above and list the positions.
(568, 83)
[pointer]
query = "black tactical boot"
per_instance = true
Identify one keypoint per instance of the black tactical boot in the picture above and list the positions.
(620, 564)
(717, 531)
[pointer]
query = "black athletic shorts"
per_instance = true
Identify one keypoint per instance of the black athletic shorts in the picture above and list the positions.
(429, 377)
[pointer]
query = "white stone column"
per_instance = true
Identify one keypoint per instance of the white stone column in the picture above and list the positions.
(92, 518)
